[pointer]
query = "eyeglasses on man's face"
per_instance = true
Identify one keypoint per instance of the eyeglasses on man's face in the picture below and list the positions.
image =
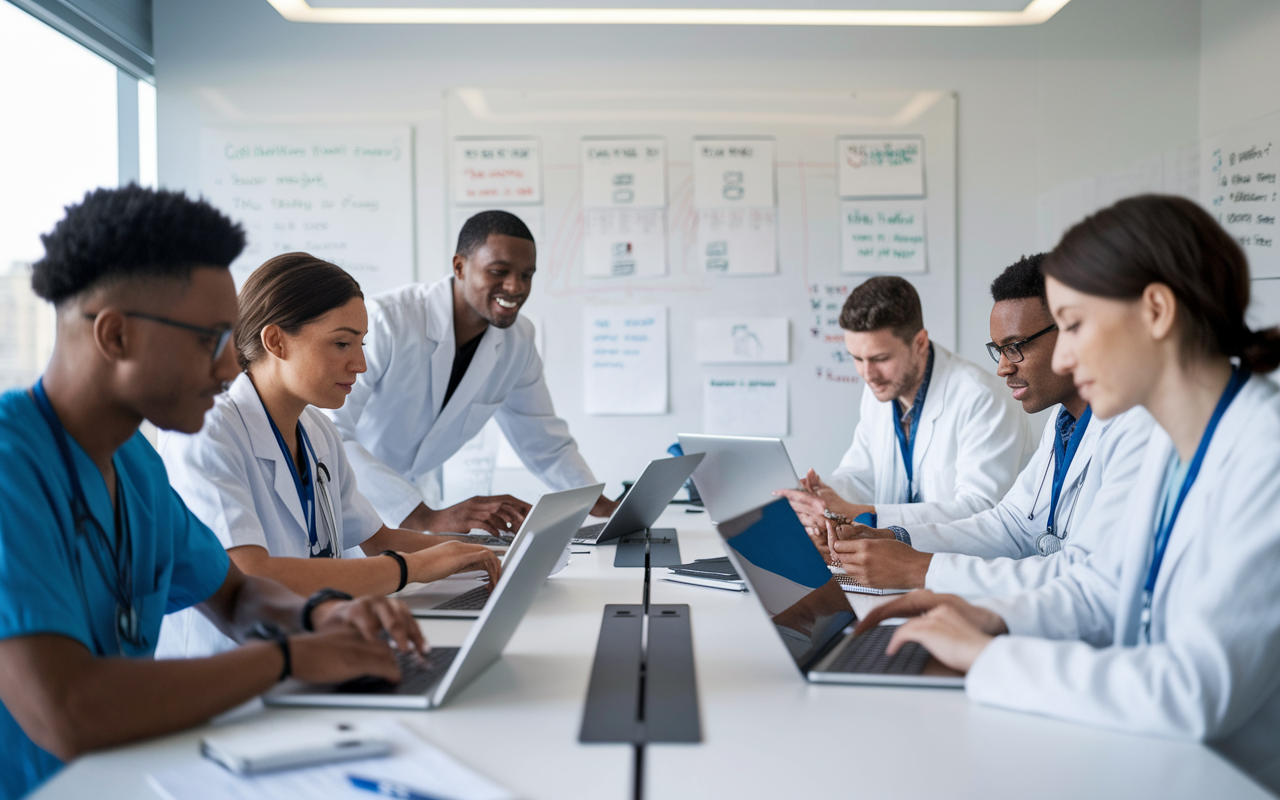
(1013, 350)
(218, 336)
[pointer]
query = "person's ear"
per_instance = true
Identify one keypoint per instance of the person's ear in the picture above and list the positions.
(1159, 309)
(273, 341)
(921, 342)
(459, 265)
(110, 335)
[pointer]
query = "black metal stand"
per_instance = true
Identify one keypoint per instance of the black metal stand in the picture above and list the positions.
(642, 694)
(653, 547)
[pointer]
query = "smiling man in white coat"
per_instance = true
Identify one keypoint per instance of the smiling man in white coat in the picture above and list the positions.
(443, 359)
(1064, 503)
(937, 439)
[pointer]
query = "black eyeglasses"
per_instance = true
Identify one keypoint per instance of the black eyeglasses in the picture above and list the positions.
(1013, 350)
(220, 336)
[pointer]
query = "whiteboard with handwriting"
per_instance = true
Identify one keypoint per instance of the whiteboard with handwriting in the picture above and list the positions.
(344, 194)
(1238, 185)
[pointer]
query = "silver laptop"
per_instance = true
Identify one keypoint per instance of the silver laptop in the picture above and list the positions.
(432, 681)
(739, 473)
(464, 597)
(771, 551)
(646, 501)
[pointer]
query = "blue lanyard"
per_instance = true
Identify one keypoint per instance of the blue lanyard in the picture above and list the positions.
(119, 575)
(905, 447)
(1062, 456)
(1238, 379)
(303, 483)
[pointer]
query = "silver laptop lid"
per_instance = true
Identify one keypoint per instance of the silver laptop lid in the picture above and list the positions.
(739, 473)
(526, 570)
(773, 554)
(649, 496)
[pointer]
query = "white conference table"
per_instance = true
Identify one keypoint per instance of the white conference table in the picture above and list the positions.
(766, 732)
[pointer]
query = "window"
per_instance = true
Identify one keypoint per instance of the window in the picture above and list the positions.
(59, 138)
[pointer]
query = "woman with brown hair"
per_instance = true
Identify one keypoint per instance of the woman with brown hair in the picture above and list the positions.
(268, 472)
(1172, 627)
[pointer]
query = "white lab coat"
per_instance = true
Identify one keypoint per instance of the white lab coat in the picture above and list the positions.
(235, 479)
(994, 552)
(392, 424)
(1212, 670)
(972, 441)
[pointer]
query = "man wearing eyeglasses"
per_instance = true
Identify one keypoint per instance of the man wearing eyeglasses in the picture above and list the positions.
(95, 546)
(1060, 507)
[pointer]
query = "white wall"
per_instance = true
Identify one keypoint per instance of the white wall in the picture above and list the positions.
(1099, 86)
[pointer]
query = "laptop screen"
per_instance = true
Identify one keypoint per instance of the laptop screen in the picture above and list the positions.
(788, 575)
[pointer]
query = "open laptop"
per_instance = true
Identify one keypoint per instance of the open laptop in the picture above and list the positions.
(739, 473)
(465, 597)
(646, 501)
(773, 554)
(432, 681)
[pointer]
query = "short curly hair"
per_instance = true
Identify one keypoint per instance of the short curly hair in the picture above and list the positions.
(885, 301)
(477, 230)
(1021, 281)
(132, 232)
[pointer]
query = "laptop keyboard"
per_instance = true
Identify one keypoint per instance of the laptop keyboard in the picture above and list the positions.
(866, 654)
(418, 674)
(589, 533)
(473, 600)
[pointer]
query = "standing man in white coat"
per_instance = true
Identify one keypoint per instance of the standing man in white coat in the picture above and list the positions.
(1064, 503)
(937, 439)
(443, 359)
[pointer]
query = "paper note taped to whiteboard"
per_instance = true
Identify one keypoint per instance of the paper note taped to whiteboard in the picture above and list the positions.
(745, 407)
(882, 237)
(880, 167)
(743, 340)
(631, 173)
(625, 355)
(496, 171)
(733, 173)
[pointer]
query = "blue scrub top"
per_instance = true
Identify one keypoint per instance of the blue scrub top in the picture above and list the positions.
(177, 561)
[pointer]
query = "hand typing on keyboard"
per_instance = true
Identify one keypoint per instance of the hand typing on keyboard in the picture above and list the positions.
(952, 629)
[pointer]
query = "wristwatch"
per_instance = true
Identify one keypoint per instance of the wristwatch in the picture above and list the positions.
(271, 632)
(322, 596)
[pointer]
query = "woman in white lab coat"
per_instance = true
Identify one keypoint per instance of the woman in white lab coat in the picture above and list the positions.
(1172, 627)
(268, 472)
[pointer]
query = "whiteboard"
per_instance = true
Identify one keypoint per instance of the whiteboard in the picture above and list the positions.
(804, 126)
(1238, 184)
(343, 194)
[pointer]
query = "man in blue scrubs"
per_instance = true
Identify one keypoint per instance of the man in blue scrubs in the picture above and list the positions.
(95, 547)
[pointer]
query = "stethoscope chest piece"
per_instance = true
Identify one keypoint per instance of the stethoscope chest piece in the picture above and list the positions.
(1047, 544)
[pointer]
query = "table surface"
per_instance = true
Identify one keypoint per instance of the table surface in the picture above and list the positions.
(767, 733)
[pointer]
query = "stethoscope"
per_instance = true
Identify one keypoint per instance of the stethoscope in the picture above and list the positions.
(119, 575)
(1050, 541)
(322, 477)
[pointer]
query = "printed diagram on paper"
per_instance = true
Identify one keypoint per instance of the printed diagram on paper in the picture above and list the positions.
(832, 361)
(624, 199)
(734, 192)
(882, 236)
(496, 171)
(743, 340)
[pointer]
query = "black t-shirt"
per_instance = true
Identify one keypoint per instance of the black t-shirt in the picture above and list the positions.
(461, 360)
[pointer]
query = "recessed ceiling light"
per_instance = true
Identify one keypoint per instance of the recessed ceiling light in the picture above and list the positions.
(1036, 12)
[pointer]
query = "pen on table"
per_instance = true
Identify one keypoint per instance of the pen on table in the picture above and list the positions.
(390, 788)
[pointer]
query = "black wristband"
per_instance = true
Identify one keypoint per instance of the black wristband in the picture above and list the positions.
(322, 596)
(404, 567)
(269, 631)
